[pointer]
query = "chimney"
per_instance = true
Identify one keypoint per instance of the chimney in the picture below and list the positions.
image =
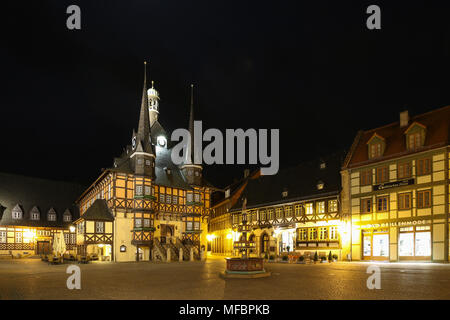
(246, 173)
(404, 118)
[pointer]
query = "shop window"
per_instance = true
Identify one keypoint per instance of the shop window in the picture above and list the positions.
(382, 203)
(366, 205)
(365, 177)
(424, 199)
(404, 201)
(404, 170)
(309, 208)
(332, 206)
(415, 242)
(320, 207)
(423, 166)
(382, 174)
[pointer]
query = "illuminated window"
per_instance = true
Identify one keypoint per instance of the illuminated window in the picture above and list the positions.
(51, 215)
(382, 203)
(323, 233)
(109, 191)
(312, 233)
(189, 226)
(162, 198)
(147, 190)
(375, 150)
(298, 210)
(168, 198)
(175, 199)
(271, 217)
(332, 206)
(414, 140)
(197, 197)
(139, 190)
(423, 166)
(35, 215)
(189, 197)
(404, 201)
(333, 233)
(366, 205)
(66, 238)
(3, 238)
(382, 174)
(403, 170)
(288, 211)
(424, 199)
(67, 217)
(279, 212)
(263, 215)
(320, 207)
(19, 237)
(146, 223)
(197, 225)
(302, 234)
(320, 185)
(365, 177)
(309, 208)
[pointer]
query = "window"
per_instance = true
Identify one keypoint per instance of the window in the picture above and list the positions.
(197, 197)
(333, 233)
(424, 199)
(320, 207)
(196, 225)
(35, 214)
(109, 191)
(146, 223)
(423, 166)
(271, 214)
(168, 198)
(73, 238)
(66, 238)
(175, 199)
(284, 194)
(2, 236)
(99, 227)
(288, 211)
(138, 223)
(16, 212)
(309, 208)
(323, 233)
(67, 218)
(302, 234)
(323, 165)
(147, 162)
(19, 236)
(382, 204)
(404, 201)
(189, 197)
(382, 174)
(320, 185)
(279, 212)
(375, 150)
(414, 140)
(366, 205)
(147, 190)
(162, 198)
(80, 228)
(51, 216)
(298, 210)
(140, 161)
(312, 233)
(189, 225)
(263, 215)
(404, 170)
(139, 190)
(332, 206)
(365, 177)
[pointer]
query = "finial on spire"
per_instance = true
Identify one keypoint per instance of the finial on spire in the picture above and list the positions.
(153, 83)
(145, 62)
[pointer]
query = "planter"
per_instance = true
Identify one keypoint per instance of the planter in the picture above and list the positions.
(301, 262)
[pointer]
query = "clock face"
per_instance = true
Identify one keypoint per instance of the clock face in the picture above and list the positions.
(133, 142)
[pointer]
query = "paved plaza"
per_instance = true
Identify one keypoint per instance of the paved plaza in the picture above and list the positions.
(34, 279)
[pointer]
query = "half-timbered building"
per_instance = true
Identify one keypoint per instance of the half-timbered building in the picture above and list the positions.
(156, 208)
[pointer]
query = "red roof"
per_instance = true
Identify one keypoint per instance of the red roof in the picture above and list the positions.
(437, 123)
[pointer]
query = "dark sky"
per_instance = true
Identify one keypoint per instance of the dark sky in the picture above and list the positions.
(70, 99)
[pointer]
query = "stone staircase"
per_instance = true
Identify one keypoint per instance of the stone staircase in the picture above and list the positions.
(160, 252)
(173, 251)
(181, 246)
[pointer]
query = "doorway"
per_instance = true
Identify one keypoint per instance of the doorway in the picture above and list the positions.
(43, 247)
(167, 232)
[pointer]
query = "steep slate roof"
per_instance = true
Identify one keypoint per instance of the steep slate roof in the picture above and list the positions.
(44, 194)
(300, 182)
(98, 211)
(437, 124)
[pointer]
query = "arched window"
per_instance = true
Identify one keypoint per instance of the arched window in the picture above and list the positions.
(17, 213)
(35, 214)
(265, 243)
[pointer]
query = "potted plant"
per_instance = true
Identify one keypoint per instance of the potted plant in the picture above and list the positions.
(335, 257)
(316, 257)
(323, 259)
(284, 258)
(301, 260)
(330, 257)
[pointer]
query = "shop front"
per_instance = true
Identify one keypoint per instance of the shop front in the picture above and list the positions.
(414, 243)
(375, 244)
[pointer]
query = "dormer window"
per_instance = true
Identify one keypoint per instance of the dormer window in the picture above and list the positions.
(35, 214)
(415, 136)
(376, 145)
(17, 213)
(67, 216)
(284, 194)
(322, 165)
(51, 215)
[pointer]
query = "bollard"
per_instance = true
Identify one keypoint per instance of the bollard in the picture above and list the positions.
(191, 257)
(180, 255)
(168, 255)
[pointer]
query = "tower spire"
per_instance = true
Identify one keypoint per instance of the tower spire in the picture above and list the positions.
(143, 133)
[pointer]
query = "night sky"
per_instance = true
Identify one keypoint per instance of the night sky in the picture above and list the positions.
(70, 98)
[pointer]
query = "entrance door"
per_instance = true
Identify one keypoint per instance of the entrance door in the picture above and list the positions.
(43, 247)
(375, 245)
(167, 232)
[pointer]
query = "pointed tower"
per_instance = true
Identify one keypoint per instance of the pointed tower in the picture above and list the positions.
(153, 104)
(143, 157)
(192, 172)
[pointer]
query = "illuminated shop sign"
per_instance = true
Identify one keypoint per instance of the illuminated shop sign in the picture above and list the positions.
(395, 184)
(396, 224)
